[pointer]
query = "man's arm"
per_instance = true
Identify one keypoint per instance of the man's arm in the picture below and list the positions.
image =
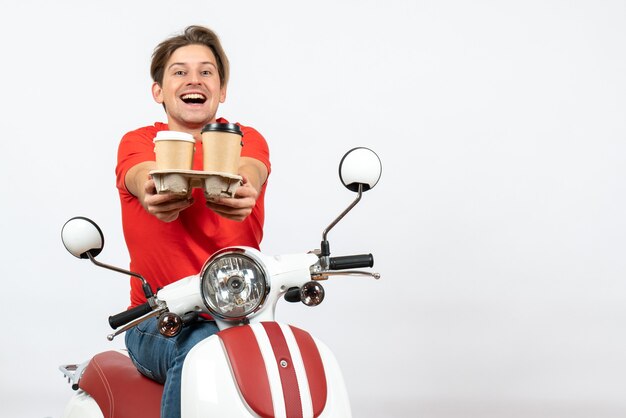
(165, 207)
(238, 208)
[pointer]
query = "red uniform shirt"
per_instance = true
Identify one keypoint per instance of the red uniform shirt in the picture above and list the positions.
(164, 252)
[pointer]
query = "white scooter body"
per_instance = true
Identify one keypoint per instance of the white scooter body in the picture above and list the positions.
(82, 405)
(209, 386)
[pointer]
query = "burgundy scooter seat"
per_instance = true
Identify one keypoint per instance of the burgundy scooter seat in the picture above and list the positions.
(119, 389)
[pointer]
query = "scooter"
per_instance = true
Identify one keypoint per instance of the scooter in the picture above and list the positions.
(253, 367)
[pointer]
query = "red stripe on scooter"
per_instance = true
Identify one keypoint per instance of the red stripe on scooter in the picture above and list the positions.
(314, 367)
(249, 369)
(289, 381)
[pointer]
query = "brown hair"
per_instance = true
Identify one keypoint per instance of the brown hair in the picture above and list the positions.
(192, 35)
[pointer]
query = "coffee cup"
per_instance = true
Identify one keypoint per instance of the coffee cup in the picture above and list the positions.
(221, 147)
(174, 150)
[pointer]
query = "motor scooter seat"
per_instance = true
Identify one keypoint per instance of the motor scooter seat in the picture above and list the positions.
(119, 389)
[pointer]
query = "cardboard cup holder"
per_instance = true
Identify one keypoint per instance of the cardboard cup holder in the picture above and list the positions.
(174, 183)
(181, 182)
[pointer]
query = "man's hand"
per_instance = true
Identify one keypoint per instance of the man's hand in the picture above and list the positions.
(238, 207)
(165, 207)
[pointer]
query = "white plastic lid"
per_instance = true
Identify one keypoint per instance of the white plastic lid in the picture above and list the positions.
(174, 136)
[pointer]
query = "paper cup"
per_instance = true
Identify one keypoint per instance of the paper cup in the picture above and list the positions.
(174, 150)
(221, 147)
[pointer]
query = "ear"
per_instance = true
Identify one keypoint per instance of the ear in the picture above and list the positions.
(157, 92)
(222, 94)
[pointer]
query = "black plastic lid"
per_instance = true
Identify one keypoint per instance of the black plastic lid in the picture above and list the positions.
(222, 127)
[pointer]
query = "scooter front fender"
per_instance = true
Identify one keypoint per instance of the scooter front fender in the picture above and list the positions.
(263, 370)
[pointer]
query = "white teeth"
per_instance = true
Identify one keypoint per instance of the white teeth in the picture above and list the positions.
(192, 96)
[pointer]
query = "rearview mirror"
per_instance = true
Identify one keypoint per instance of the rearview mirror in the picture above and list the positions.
(360, 166)
(81, 236)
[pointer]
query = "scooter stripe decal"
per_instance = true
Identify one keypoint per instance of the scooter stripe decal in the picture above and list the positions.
(248, 368)
(298, 365)
(271, 366)
(290, 388)
(315, 372)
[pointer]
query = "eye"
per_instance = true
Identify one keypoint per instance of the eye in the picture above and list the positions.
(179, 73)
(206, 73)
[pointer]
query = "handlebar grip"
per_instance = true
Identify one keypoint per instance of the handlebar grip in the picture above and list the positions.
(125, 317)
(351, 262)
(293, 295)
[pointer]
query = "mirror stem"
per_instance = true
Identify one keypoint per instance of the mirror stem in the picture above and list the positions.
(325, 246)
(146, 287)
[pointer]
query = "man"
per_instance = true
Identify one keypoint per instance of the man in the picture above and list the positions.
(170, 237)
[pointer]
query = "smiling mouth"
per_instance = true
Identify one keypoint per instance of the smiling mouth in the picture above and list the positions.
(193, 98)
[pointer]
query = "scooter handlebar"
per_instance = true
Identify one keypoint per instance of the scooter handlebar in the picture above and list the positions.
(125, 317)
(351, 262)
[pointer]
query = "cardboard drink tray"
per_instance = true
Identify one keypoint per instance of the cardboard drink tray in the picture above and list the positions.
(215, 184)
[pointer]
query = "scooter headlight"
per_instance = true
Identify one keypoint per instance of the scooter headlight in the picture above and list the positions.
(233, 284)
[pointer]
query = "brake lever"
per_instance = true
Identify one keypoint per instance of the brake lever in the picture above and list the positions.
(324, 275)
(136, 322)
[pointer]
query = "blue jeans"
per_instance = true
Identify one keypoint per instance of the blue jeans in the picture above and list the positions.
(161, 358)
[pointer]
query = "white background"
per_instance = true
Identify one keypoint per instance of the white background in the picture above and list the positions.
(499, 224)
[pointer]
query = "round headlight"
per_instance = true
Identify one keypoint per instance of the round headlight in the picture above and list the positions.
(234, 284)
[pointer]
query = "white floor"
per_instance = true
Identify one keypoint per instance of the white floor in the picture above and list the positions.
(457, 409)
(382, 408)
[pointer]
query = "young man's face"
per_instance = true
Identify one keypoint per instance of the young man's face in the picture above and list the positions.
(191, 88)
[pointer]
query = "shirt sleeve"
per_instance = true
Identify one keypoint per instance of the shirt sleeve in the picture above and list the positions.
(255, 146)
(135, 147)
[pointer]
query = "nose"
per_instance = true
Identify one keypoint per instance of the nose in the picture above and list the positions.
(194, 78)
